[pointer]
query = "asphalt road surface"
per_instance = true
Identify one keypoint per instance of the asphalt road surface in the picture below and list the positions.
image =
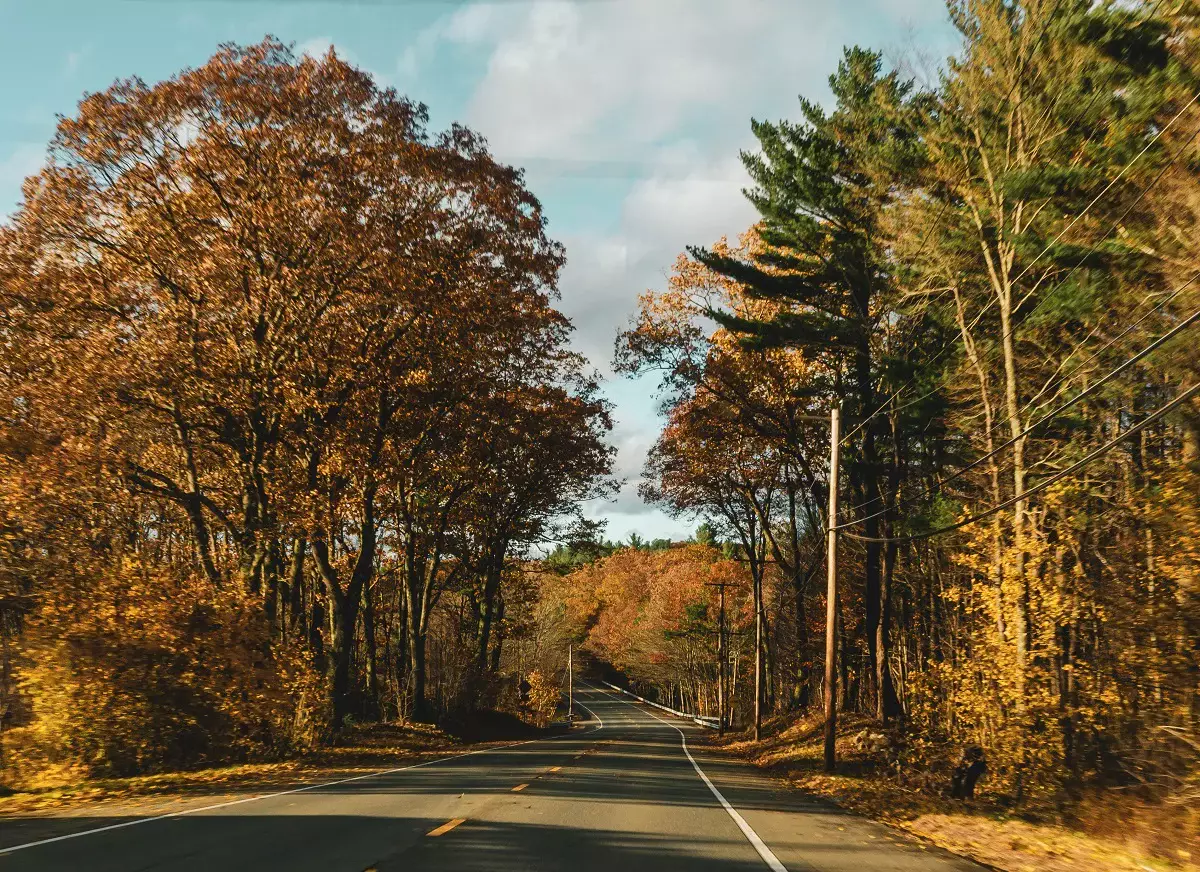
(619, 794)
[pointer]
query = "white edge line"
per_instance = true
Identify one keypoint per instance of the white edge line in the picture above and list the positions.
(175, 814)
(764, 852)
(592, 713)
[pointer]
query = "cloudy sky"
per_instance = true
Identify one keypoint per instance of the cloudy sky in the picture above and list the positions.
(627, 114)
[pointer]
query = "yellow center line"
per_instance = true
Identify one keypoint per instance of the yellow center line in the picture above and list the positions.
(446, 827)
(519, 787)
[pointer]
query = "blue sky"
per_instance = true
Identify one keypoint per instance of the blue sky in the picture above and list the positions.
(627, 114)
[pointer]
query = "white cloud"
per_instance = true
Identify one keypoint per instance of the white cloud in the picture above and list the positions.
(658, 93)
(693, 203)
(571, 79)
(470, 24)
(568, 79)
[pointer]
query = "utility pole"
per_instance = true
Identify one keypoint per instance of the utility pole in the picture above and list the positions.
(570, 682)
(721, 668)
(758, 654)
(835, 437)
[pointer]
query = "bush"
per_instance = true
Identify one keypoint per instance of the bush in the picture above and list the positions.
(543, 699)
(157, 674)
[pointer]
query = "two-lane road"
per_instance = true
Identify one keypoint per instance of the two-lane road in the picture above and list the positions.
(623, 793)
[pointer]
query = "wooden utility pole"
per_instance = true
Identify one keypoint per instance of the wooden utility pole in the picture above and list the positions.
(721, 666)
(835, 437)
(758, 655)
(570, 682)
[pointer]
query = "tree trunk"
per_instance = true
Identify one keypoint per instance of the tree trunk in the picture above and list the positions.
(344, 605)
(487, 605)
(201, 537)
(758, 653)
(499, 637)
(889, 707)
(416, 591)
(371, 705)
(297, 620)
(875, 593)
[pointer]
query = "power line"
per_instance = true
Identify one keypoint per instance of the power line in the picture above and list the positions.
(1109, 344)
(1069, 374)
(1088, 391)
(1058, 476)
(1051, 245)
(1008, 333)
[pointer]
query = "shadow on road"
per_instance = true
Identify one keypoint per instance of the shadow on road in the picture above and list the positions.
(622, 798)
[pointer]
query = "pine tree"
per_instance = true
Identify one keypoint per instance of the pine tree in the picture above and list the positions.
(821, 188)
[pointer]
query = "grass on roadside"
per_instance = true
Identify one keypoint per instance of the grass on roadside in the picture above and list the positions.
(362, 748)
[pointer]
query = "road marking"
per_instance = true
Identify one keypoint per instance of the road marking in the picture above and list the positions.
(519, 787)
(764, 852)
(233, 802)
(446, 827)
(593, 714)
(555, 768)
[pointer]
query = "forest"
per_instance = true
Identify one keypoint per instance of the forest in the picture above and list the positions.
(991, 272)
(288, 414)
(285, 397)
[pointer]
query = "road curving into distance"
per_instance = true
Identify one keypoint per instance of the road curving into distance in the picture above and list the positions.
(624, 792)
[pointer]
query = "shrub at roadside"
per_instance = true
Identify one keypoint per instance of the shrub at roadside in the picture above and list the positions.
(156, 674)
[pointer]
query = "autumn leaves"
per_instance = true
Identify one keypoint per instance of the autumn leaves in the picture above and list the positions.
(262, 329)
(984, 270)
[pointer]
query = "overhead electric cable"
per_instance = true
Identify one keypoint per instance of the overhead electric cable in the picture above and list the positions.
(1086, 392)
(1050, 246)
(1041, 486)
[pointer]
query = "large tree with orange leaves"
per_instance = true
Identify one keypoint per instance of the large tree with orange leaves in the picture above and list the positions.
(261, 328)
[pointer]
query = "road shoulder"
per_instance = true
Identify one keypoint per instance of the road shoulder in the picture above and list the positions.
(981, 834)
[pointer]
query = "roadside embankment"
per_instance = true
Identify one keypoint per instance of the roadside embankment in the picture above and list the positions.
(1106, 832)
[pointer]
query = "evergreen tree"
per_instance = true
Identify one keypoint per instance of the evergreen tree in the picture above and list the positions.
(821, 186)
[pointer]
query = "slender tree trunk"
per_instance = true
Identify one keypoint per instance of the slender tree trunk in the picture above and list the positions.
(491, 588)
(297, 620)
(888, 706)
(499, 636)
(416, 588)
(875, 605)
(201, 537)
(1020, 507)
(372, 707)
(342, 616)
(416, 675)
(344, 605)
(401, 661)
